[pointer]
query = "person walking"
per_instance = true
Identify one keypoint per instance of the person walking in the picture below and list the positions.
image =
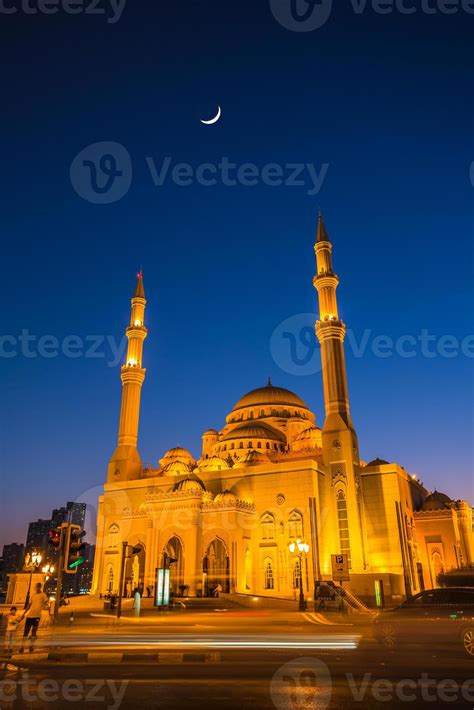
(137, 603)
(38, 602)
(12, 625)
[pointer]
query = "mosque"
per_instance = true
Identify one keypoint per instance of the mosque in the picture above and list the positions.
(269, 477)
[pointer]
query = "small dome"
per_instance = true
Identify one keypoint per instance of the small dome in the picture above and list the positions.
(191, 484)
(213, 463)
(178, 453)
(211, 432)
(225, 497)
(309, 438)
(377, 462)
(174, 468)
(269, 395)
(252, 458)
(255, 430)
(437, 501)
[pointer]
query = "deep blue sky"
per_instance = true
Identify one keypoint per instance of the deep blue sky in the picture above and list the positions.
(384, 100)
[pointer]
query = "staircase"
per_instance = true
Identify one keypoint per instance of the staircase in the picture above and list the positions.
(352, 600)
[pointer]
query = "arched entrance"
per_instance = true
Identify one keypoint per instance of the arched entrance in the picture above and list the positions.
(174, 551)
(215, 568)
(135, 572)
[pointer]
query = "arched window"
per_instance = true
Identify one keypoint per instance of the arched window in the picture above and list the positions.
(267, 522)
(241, 445)
(295, 525)
(267, 444)
(343, 521)
(232, 445)
(259, 445)
(296, 573)
(113, 535)
(269, 581)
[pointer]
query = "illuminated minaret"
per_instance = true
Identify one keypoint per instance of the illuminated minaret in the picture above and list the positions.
(340, 446)
(125, 463)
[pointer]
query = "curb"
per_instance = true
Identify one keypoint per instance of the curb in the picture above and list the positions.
(110, 658)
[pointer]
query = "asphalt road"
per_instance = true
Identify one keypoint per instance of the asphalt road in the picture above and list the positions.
(233, 659)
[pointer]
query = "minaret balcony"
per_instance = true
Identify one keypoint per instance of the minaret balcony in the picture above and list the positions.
(325, 280)
(136, 331)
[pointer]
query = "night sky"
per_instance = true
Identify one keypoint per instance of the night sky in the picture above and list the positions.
(378, 105)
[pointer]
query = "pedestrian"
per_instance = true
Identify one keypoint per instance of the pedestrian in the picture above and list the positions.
(12, 626)
(37, 604)
(217, 590)
(148, 592)
(137, 602)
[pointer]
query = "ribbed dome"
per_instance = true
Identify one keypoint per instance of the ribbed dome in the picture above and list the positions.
(437, 501)
(377, 462)
(178, 453)
(174, 468)
(252, 458)
(225, 497)
(269, 395)
(309, 433)
(190, 485)
(213, 463)
(308, 439)
(254, 430)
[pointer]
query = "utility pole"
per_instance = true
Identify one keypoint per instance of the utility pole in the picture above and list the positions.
(122, 574)
(62, 544)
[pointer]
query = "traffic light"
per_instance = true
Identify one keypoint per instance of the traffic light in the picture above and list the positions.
(73, 556)
(54, 537)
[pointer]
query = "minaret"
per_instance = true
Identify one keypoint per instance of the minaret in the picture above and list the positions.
(125, 463)
(340, 446)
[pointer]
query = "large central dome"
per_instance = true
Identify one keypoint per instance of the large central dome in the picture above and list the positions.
(269, 395)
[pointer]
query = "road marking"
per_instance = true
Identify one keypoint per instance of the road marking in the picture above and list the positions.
(315, 618)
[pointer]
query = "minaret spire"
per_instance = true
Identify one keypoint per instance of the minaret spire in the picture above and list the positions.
(340, 447)
(125, 463)
(330, 330)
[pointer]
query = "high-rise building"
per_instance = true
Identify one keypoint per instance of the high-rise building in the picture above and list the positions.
(37, 537)
(11, 561)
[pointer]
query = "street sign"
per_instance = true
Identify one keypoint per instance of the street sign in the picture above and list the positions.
(340, 568)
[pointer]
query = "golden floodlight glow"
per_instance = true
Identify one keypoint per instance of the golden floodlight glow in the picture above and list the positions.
(131, 362)
(137, 322)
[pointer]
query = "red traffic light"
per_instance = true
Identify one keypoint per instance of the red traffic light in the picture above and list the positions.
(54, 537)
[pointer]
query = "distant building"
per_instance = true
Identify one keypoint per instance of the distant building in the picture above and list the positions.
(11, 561)
(37, 537)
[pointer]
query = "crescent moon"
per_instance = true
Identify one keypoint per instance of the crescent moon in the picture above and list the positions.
(213, 120)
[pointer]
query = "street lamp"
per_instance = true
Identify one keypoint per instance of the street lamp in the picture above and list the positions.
(300, 548)
(34, 563)
(48, 569)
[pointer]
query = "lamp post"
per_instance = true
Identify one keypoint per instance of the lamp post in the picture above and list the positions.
(300, 548)
(48, 570)
(35, 561)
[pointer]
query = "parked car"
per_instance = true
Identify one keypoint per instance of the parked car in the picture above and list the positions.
(434, 617)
